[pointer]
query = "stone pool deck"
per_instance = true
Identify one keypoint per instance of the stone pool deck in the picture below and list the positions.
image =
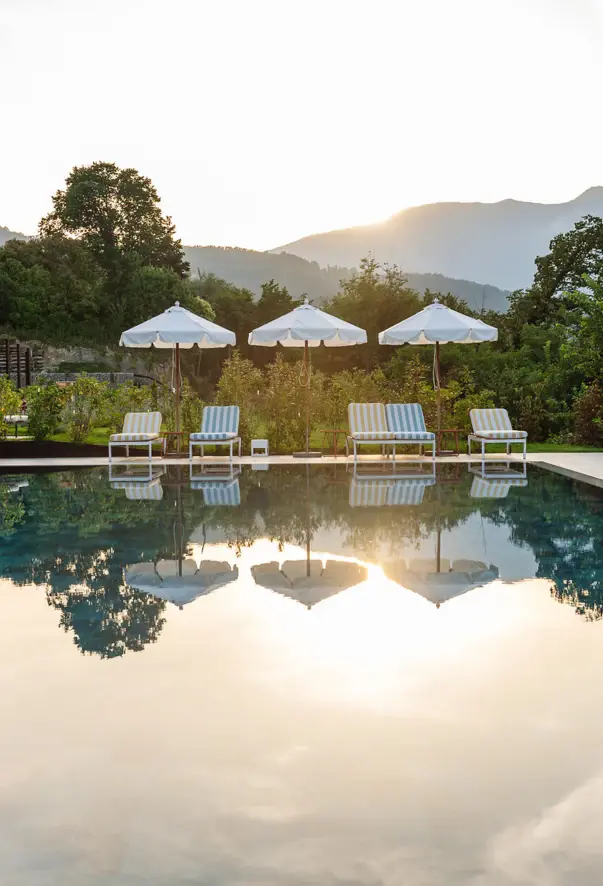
(586, 466)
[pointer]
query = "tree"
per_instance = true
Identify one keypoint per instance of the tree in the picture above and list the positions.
(274, 301)
(374, 298)
(116, 213)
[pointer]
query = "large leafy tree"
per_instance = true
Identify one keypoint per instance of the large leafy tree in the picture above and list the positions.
(116, 213)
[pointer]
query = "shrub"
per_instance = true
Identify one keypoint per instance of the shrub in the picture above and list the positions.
(283, 405)
(191, 408)
(121, 399)
(10, 403)
(240, 385)
(587, 413)
(85, 401)
(44, 409)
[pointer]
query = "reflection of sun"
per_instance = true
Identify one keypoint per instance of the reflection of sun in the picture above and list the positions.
(368, 644)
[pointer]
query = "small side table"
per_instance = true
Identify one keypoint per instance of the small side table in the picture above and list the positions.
(450, 432)
(335, 432)
(173, 441)
(260, 447)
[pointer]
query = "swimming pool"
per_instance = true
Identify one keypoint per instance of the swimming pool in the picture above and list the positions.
(301, 675)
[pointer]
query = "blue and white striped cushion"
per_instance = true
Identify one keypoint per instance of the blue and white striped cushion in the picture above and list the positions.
(140, 491)
(213, 436)
(220, 420)
(502, 435)
(426, 436)
(374, 435)
(405, 418)
(133, 438)
(142, 423)
(368, 493)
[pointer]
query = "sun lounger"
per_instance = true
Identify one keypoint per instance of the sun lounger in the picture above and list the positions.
(407, 421)
(368, 426)
(219, 427)
(140, 428)
(494, 426)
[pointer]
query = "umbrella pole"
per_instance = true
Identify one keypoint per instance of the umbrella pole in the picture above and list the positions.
(308, 520)
(307, 361)
(438, 392)
(177, 387)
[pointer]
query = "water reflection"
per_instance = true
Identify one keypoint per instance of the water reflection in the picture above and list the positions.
(111, 553)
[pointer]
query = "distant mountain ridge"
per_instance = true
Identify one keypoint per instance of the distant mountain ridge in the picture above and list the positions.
(494, 242)
(249, 269)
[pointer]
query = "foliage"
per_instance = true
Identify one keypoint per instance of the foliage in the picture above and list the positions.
(587, 415)
(240, 385)
(84, 401)
(45, 402)
(115, 213)
(191, 408)
(115, 402)
(10, 403)
(282, 405)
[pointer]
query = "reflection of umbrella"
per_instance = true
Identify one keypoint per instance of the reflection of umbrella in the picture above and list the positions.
(180, 582)
(307, 327)
(436, 324)
(307, 581)
(440, 580)
(181, 328)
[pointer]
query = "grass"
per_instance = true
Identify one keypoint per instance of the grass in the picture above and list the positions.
(100, 437)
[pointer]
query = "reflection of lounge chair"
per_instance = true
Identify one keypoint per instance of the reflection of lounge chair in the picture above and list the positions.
(141, 429)
(494, 426)
(140, 490)
(218, 490)
(219, 427)
(495, 480)
(388, 491)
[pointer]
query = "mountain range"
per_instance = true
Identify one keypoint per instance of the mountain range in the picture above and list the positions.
(440, 246)
(493, 243)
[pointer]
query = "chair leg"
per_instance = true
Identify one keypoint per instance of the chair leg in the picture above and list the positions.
(483, 449)
(127, 452)
(394, 450)
(525, 450)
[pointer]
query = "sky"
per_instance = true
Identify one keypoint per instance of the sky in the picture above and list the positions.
(262, 121)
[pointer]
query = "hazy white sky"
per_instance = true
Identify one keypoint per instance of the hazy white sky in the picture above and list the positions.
(260, 121)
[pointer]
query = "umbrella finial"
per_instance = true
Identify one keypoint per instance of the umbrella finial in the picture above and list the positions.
(177, 304)
(306, 300)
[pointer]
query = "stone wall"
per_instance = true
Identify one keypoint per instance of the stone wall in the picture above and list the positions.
(114, 378)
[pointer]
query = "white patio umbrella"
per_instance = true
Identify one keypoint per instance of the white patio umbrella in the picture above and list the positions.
(307, 327)
(307, 581)
(436, 324)
(180, 581)
(178, 328)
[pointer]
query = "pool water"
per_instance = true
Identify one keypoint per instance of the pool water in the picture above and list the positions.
(301, 676)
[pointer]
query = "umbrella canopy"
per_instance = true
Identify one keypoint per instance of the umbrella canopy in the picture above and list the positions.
(180, 582)
(440, 584)
(436, 324)
(306, 581)
(177, 328)
(307, 327)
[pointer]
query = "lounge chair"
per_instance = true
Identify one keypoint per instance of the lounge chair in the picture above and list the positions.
(368, 425)
(388, 492)
(141, 428)
(219, 427)
(408, 423)
(494, 426)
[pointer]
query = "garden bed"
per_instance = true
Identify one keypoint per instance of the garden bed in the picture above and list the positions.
(55, 449)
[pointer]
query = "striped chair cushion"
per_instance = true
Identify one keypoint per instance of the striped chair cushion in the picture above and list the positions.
(220, 420)
(368, 418)
(213, 436)
(374, 435)
(490, 420)
(142, 423)
(405, 417)
(481, 488)
(502, 435)
(427, 436)
(133, 438)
